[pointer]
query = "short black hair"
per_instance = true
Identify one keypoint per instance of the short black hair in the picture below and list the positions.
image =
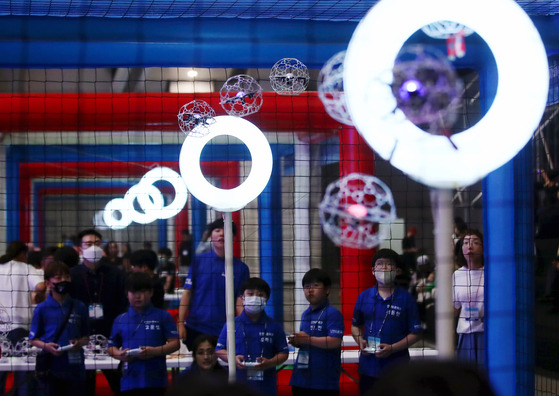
(138, 281)
(199, 340)
(219, 223)
(256, 284)
(387, 254)
(89, 231)
(68, 255)
(165, 251)
(56, 268)
(317, 275)
(142, 257)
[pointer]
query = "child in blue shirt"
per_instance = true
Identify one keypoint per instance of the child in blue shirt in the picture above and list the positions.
(259, 340)
(60, 314)
(318, 365)
(141, 338)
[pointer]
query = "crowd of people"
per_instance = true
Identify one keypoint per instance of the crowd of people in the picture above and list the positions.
(94, 289)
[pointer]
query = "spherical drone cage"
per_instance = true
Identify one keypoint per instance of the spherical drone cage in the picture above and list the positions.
(195, 117)
(289, 76)
(367, 193)
(241, 95)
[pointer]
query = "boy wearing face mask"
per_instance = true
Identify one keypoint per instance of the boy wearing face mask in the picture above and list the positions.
(101, 288)
(65, 319)
(259, 340)
(385, 321)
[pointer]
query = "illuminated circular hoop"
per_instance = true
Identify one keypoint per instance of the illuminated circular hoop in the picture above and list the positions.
(117, 205)
(236, 198)
(181, 192)
(149, 198)
(520, 100)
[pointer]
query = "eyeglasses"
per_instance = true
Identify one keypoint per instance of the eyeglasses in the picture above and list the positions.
(384, 263)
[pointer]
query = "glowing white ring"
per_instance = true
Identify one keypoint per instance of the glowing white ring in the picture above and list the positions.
(181, 192)
(150, 199)
(117, 205)
(506, 127)
(146, 193)
(236, 198)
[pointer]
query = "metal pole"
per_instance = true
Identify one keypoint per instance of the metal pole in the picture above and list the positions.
(442, 217)
(229, 295)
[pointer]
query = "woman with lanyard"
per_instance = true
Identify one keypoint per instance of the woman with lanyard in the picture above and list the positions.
(385, 321)
(318, 366)
(468, 291)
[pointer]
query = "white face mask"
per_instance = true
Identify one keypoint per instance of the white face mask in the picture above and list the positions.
(385, 278)
(92, 254)
(254, 304)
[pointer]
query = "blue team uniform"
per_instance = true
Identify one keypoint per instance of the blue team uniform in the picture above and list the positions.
(392, 320)
(264, 338)
(47, 318)
(322, 371)
(206, 280)
(132, 329)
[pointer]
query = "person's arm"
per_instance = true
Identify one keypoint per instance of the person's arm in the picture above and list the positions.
(385, 350)
(50, 347)
(170, 346)
(272, 362)
(38, 295)
(325, 342)
(183, 311)
(358, 337)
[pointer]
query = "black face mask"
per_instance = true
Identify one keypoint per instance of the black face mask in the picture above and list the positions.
(62, 287)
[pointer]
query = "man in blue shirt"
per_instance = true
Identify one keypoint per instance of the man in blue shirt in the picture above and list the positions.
(202, 306)
(260, 343)
(61, 321)
(318, 366)
(385, 321)
(141, 338)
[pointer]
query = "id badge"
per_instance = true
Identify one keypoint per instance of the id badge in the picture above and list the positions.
(74, 357)
(472, 314)
(96, 311)
(255, 375)
(373, 342)
(303, 359)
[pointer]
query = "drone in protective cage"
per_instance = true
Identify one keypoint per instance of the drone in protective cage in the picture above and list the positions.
(289, 76)
(241, 95)
(195, 117)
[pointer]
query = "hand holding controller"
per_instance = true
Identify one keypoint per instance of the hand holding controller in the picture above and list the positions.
(65, 347)
(134, 352)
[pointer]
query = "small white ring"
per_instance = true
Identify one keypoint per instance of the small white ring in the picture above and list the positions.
(181, 192)
(152, 200)
(117, 205)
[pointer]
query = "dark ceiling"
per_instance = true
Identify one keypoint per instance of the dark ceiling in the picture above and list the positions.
(322, 10)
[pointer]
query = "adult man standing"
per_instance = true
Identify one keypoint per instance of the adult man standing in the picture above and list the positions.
(101, 288)
(202, 307)
(385, 321)
(21, 286)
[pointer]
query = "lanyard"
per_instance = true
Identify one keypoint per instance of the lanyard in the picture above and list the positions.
(385, 315)
(86, 281)
(469, 286)
(313, 329)
(259, 340)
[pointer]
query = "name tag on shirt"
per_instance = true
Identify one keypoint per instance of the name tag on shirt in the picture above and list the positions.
(472, 314)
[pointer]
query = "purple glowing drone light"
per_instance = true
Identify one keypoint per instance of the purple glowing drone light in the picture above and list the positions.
(411, 88)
